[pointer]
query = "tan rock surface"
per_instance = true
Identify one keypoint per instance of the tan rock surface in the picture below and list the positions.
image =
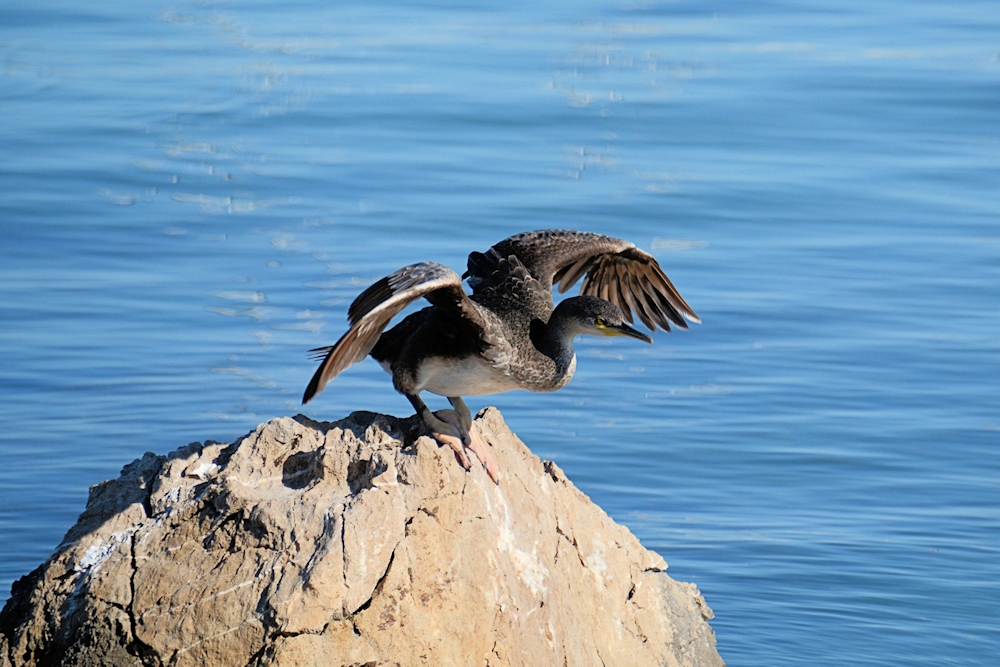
(350, 543)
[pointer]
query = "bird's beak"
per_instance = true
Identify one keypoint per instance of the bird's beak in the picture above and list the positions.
(625, 330)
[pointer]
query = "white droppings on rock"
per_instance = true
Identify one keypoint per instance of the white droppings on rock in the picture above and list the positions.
(97, 554)
(173, 495)
(202, 470)
(94, 556)
(526, 566)
(596, 564)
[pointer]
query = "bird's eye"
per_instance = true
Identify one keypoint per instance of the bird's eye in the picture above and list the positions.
(601, 322)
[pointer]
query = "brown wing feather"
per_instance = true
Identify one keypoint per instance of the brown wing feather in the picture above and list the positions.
(543, 253)
(633, 280)
(614, 270)
(372, 311)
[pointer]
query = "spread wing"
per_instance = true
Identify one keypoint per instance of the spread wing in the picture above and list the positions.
(614, 270)
(372, 311)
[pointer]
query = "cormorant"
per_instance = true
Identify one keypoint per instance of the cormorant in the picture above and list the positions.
(508, 334)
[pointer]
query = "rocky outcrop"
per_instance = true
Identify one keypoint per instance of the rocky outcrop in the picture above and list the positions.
(350, 543)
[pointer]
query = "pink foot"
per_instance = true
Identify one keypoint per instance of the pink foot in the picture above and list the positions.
(469, 440)
(482, 452)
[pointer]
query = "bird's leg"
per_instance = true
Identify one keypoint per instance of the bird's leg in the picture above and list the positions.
(472, 439)
(453, 428)
(442, 429)
(463, 411)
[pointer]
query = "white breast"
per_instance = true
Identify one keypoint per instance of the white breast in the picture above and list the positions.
(468, 376)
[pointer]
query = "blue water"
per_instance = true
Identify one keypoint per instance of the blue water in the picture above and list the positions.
(191, 194)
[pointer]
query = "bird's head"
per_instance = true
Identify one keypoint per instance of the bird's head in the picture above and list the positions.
(596, 317)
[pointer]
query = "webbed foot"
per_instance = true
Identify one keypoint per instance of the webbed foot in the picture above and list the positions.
(456, 429)
(470, 439)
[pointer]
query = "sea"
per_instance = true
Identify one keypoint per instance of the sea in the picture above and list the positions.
(193, 192)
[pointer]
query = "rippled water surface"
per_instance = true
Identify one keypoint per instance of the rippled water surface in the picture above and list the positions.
(192, 193)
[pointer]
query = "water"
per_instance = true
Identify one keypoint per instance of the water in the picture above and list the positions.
(192, 193)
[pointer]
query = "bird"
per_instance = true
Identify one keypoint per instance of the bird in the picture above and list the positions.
(508, 333)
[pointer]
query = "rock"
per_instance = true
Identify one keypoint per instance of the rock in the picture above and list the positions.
(350, 543)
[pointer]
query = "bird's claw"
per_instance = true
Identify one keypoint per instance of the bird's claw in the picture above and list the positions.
(461, 438)
(482, 452)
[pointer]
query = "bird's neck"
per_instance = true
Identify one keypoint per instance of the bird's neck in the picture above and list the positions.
(555, 338)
